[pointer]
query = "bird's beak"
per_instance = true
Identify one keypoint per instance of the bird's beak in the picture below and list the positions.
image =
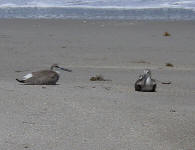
(64, 69)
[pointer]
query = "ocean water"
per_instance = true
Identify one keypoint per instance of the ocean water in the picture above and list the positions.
(99, 9)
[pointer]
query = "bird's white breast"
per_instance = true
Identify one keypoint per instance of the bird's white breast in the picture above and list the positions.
(148, 81)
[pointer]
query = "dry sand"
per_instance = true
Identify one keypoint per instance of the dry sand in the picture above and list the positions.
(79, 114)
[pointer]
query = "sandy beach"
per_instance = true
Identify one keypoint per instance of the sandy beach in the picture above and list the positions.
(78, 114)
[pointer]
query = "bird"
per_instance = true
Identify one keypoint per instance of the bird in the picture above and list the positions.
(43, 77)
(145, 83)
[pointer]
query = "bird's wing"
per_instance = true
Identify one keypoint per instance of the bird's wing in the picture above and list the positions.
(43, 77)
(44, 74)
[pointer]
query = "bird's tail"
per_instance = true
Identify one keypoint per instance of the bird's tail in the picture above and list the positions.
(21, 81)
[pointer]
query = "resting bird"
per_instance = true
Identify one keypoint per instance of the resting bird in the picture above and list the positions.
(43, 77)
(145, 83)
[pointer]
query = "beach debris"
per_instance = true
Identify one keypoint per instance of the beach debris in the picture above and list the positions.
(141, 62)
(166, 34)
(168, 82)
(25, 122)
(98, 78)
(84, 21)
(172, 110)
(145, 83)
(26, 146)
(43, 77)
(18, 71)
(107, 88)
(164, 82)
(169, 64)
(80, 86)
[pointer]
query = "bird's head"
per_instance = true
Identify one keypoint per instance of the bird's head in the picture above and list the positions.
(147, 72)
(57, 67)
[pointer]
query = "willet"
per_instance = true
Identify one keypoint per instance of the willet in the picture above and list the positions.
(43, 77)
(145, 83)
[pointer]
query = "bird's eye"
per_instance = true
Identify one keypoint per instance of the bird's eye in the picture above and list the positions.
(140, 77)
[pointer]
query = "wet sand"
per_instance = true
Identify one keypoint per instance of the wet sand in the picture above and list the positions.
(104, 115)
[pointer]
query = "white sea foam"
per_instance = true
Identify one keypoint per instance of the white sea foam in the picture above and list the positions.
(100, 3)
(91, 9)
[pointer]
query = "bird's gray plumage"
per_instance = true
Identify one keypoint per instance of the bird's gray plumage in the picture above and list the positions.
(43, 77)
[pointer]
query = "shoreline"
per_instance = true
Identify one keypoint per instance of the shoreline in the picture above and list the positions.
(96, 20)
(100, 20)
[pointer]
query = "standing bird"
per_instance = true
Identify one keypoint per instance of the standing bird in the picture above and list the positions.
(145, 83)
(43, 77)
